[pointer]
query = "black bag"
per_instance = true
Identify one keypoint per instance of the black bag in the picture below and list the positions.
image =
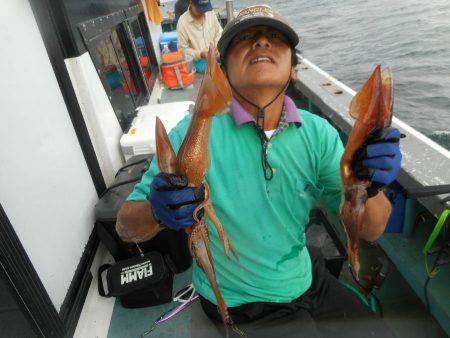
(170, 242)
(140, 281)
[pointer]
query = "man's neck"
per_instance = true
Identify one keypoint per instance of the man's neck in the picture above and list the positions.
(271, 114)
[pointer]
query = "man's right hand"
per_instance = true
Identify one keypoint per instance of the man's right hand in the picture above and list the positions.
(173, 202)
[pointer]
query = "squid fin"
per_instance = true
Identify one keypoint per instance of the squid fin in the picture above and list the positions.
(366, 100)
(387, 98)
(214, 95)
(167, 160)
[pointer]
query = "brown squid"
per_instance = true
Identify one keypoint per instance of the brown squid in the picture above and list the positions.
(193, 161)
(372, 109)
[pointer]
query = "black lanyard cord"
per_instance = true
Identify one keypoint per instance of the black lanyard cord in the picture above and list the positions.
(267, 168)
(260, 110)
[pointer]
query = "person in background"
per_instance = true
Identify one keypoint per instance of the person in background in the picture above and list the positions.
(197, 28)
(181, 6)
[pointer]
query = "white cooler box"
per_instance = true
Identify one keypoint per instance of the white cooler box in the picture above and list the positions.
(140, 139)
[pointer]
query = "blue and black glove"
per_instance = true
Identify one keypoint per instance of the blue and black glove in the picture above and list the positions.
(173, 202)
(379, 159)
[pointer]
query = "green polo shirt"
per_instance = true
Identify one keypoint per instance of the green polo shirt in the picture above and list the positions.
(265, 223)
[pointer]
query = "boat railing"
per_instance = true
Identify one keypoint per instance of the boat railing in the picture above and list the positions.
(425, 163)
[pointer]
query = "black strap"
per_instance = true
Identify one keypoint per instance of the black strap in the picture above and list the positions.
(431, 190)
(260, 109)
(147, 159)
(101, 289)
(115, 185)
(267, 168)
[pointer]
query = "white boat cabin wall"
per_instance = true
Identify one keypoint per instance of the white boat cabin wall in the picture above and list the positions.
(60, 128)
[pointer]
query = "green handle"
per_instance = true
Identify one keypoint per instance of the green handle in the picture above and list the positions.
(437, 229)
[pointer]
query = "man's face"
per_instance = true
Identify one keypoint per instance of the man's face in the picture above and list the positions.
(195, 12)
(259, 57)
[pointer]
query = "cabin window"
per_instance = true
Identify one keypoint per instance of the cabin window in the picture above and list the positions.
(120, 48)
(112, 68)
(141, 50)
(138, 30)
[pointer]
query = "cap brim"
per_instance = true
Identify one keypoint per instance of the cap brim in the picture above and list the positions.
(204, 8)
(226, 38)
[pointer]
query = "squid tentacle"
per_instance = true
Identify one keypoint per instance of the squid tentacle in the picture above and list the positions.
(227, 245)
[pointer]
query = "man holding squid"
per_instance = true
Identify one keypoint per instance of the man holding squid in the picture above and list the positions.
(269, 162)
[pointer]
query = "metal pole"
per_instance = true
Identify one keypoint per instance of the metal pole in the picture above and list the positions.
(229, 6)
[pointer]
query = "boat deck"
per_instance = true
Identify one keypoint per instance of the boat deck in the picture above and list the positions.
(187, 94)
(402, 310)
(403, 313)
(134, 322)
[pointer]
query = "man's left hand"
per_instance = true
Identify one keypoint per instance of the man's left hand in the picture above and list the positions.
(379, 159)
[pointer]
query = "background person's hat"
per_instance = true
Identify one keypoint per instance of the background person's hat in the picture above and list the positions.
(260, 15)
(202, 6)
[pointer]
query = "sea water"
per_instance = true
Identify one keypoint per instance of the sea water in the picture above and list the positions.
(348, 38)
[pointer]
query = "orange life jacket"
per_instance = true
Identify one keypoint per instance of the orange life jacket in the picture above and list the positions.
(176, 71)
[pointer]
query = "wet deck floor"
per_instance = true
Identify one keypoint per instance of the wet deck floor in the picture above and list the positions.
(403, 313)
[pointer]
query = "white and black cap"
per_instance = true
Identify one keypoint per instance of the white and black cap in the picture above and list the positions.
(259, 15)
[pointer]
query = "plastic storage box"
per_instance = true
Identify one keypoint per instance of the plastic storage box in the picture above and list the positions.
(140, 138)
(168, 42)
